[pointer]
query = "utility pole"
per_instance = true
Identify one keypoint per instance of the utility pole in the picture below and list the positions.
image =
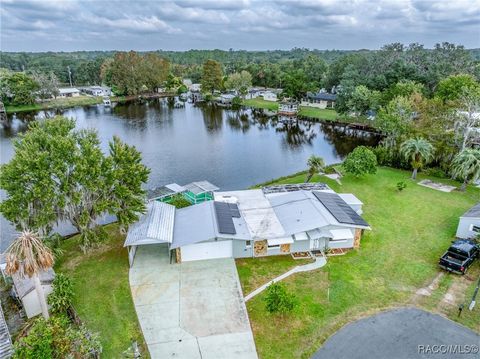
(70, 76)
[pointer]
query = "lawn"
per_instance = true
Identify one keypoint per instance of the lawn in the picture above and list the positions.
(102, 292)
(56, 103)
(261, 103)
(410, 230)
(318, 113)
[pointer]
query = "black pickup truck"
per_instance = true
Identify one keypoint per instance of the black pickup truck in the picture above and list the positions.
(461, 254)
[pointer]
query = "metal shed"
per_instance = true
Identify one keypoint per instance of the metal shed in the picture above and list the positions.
(153, 227)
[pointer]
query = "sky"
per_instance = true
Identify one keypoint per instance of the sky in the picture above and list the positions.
(71, 25)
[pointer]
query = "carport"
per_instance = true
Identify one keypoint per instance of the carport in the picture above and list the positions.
(153, 227)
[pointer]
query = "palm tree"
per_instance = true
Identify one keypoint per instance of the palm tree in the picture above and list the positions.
(315, 165)
(466, 165)
(419, 151)
(27, 255)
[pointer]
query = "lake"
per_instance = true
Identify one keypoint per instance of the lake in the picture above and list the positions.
(231, 149)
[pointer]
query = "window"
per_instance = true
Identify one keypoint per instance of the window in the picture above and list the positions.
(475, 228)
(248, 244)
(274, 246)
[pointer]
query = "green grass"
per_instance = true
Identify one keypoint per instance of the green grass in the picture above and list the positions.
(319, 113)
(261, 103)
(255, 272)
(410, 230)
(102, 292)
(56, 103)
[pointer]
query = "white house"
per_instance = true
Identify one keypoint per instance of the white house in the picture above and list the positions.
(195, 87)
(469, 223)
(68, 92)
(227, 98)
(24, 288)
(270, 96)
(321, 100)
(98, 90)
(274, 220)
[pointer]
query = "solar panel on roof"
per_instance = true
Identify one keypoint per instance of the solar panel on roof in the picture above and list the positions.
(234, 210)
(224, 218)
(339, 209)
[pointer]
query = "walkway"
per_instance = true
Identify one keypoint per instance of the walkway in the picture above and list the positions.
(405, 333)
(192, 310)
(318, 263)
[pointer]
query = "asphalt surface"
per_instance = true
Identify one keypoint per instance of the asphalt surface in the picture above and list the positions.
(402, 333)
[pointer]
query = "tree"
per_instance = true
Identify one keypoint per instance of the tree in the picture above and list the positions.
(295, 84)
(39, 168)
(418, 151)
(453, 87)
(212, 76)
(363, 99)
(360, 161)
(395, 119)
(18, 88)
(126, 74)
(466, 119)
(240, 82)
(278, 299)
(27, 255)
(154, 71)
(403, 88)
(129, 174)
(466, 166)
(315, 165)
(48, 84)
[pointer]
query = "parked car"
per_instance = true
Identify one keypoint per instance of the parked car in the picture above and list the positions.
(461, 254)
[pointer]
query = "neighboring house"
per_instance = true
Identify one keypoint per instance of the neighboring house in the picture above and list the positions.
(187, 82)
(97, 90)
(320, 100)
(288, 108)
(25, 291)
(195, 87)
(227, 98)
(68, 92)
(254, 92)
(270, 96)
(469, 224)
(253, 223)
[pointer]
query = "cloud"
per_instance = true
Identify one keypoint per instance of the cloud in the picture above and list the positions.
(34, 25)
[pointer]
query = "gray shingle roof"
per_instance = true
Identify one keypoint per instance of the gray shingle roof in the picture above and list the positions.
(155, 226)
(24, 284)
(473, 212)
(322, 96)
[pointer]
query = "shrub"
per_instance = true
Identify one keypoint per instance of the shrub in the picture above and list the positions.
(435, 172)
(61, 297)
(360, 161)
(56, 338)
(401, 186)
(279, 300)
(179, 201)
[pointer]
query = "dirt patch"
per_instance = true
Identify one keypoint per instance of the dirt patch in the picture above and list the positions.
(455, 294)
(428, 290)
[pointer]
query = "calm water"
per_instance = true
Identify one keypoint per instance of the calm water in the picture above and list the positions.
(231, 149)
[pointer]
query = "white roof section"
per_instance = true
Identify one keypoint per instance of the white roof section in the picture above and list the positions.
(25, 284)
(175, 187)
(198, 223)
(341, 234)
(278, 241)
(302, 236)
(257, 211)
(155, 226)
(201, 187)
(66, 90)
(350, 198)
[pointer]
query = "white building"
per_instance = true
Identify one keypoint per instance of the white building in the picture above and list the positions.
(25, 290)
(270, 96)
(469, 223)
(98, 90)
(68, 92)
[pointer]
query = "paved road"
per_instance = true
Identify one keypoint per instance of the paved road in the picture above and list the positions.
(400, 334)
(190, 310)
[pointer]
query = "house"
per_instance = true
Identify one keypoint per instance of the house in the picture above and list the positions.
(288, 108)
(270, 96)
(226, 99)
(195, 88)
(24, 288)
(68, 92)
(275, 220)
(97, 90)
(254, 92)
(321, 99)
(469, 223)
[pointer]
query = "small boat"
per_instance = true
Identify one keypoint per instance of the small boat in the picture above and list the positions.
(107, 102)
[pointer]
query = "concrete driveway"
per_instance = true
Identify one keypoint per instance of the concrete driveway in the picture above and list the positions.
(190, 310)
(406, 333)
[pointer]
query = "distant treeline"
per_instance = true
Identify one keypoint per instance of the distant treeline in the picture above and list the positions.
(266, 67)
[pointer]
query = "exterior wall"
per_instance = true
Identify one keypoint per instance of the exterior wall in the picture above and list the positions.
(31, 303)
(300, 246)
(270, 97)
(240, 250)
(347, 243)
(319, 104)
(464, 225)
